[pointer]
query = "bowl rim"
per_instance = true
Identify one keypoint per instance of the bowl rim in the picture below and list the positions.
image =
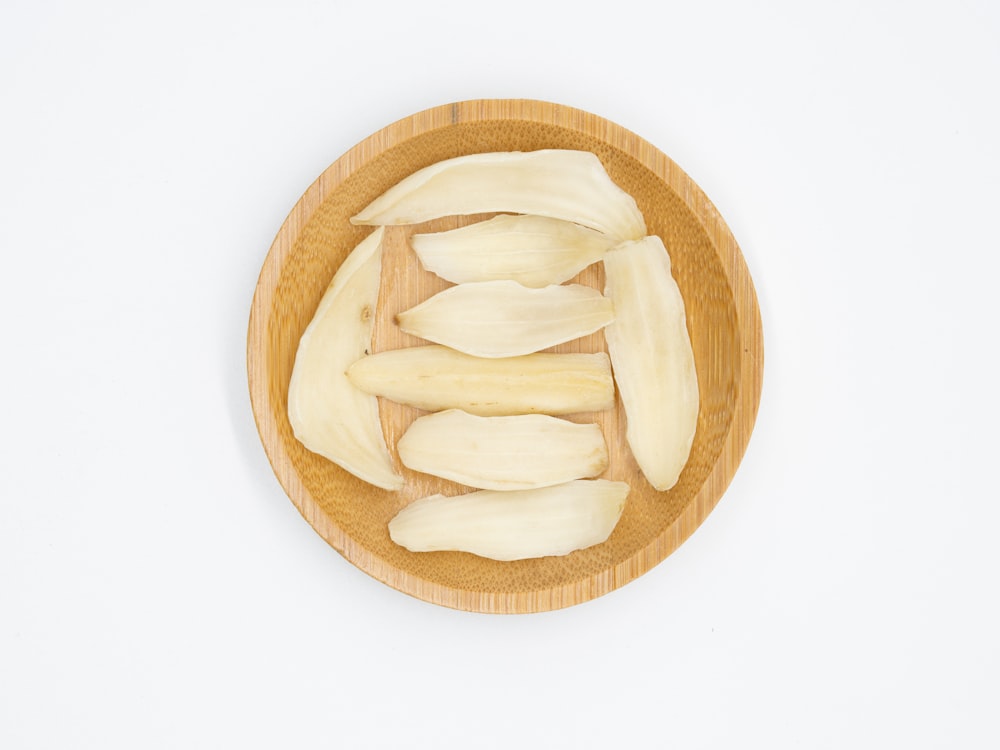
(748, 386)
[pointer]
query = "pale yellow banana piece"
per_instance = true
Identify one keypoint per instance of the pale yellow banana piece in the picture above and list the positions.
(503, 453)
(513, 525)
(558, 183)
(505, 319)
(328, 414)
(435, 377)
(652, 358)
(532, 250)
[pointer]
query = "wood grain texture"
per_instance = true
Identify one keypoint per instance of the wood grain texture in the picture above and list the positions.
(723, 321)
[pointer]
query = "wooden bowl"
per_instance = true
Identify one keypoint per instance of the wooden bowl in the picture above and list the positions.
(723, 320)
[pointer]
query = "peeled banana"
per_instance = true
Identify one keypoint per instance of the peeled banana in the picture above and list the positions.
(557, 183)
(513, 525)
(652, 358)
(328, 414)
(434, 377)
(506, 319)
(503, 453)
(532, 250)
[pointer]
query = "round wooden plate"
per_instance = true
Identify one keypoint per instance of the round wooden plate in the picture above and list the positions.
(722, 315)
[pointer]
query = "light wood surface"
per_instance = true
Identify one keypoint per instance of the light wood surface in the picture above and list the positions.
(723, 320)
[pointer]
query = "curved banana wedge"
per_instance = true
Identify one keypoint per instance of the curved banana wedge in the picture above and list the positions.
(435, 377)
(505, 319)
(503, 453)
(329, 415)
(513, 525)
(652, 359)
(557, 183)
(532, 250)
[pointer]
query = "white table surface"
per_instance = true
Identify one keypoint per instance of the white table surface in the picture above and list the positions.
(158, 589)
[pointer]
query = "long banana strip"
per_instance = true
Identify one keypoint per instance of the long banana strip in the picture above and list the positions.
(558, 183)
(652, 359)
(513, 525)
(435, 377)
(328, 414)
(532, 250)
(505, 319)
(503, 453)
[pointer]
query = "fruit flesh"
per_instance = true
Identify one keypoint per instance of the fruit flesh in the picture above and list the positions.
(557, 183)
(505, 319)
(513, 525)
(434, 377)
(652, 359)
(532, 250)
(503, 453)
(328, 414)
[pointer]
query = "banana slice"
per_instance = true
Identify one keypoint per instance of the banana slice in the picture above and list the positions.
(532, 250)
(330, 416)
(503, 453)
(558, 183)
(435, 377)
(505, 319)
(652, 358)
(513, 525)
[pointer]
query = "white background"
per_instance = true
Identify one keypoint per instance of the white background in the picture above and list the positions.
(158, 589)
